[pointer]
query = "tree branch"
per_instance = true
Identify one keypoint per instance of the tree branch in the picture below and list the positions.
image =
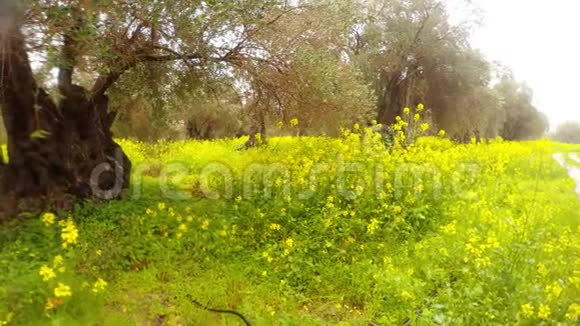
(66, 67)
(105, 81)
(68, 55)
(424, 23)
(173, 55)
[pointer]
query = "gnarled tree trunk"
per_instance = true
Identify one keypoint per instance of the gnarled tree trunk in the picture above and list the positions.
(57, 151)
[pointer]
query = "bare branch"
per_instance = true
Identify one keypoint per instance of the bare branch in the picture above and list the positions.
(105, 81)
(173, 56)
(424, 23)
(66, 67)
(68, 54)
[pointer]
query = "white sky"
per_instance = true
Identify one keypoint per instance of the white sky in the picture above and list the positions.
(540, 41)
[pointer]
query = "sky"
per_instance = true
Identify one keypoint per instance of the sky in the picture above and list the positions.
(540, 41)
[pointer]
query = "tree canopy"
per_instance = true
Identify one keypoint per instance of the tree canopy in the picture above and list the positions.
(270, 61)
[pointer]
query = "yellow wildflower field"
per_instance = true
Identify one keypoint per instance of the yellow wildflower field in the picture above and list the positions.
(310, 231)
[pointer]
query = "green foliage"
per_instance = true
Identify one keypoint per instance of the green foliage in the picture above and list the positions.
(491, 228)
(333, 96)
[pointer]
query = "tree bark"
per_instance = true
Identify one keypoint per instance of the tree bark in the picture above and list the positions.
(258, 124)
(258, 128)
(58, 152)
(391, 104)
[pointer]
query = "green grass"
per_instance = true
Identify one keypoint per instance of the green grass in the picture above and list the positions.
(467, 234)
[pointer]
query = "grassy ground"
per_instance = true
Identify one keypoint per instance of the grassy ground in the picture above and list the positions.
(309, 231)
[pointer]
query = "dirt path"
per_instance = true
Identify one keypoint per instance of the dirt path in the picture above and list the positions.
(573, 171)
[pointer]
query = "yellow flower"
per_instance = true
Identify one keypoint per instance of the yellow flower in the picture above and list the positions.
(182, 227)
(573, 312)
(47, 273)
(99, 285)
(275, 227)
(575, 280)
(442, 133)
(417, 117)
(544, 311)
(294, 122)
(450, 228)
(70, 233)
(482, 262)
(553, 291)
(148, 211)
(62, 291)
(492, 242)
(356, 126)
(280, 124)
(373, 226)
(424, 127)
(161, 206)
(48, 219)
(407, 111)
(205, 225)
(420, 107)
(57, 261)
(289, 242)
(98, 252)
(548, 248)
(7, 320)
(406, 295)
(527, 310)
(542, 270)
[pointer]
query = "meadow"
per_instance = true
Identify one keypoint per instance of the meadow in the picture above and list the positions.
(309, 231)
